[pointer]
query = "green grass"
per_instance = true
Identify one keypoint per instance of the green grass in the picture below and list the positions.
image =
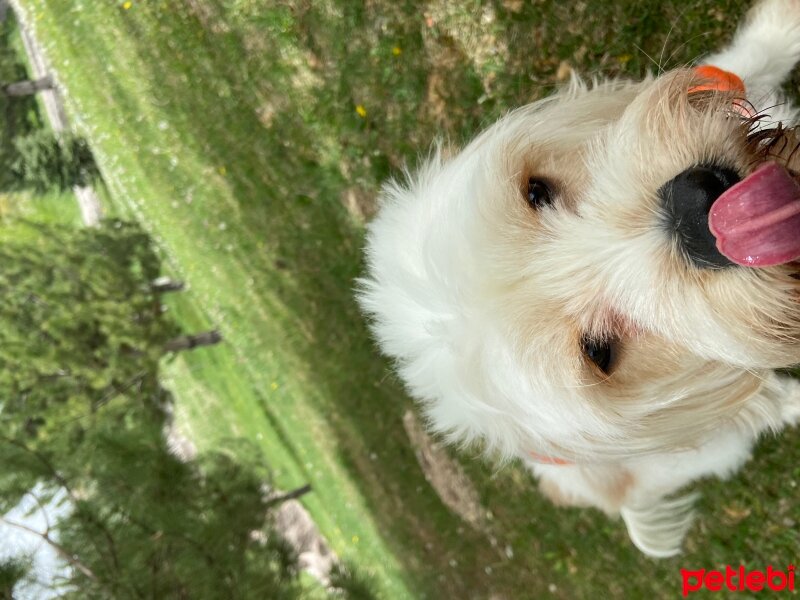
(236, 130)
(54, 207)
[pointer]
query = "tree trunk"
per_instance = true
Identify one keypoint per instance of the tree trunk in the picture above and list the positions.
(162, 285)
(28, 87)
(187, 342)
(290, 495)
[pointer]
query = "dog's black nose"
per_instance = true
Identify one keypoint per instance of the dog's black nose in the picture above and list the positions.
(686, 200)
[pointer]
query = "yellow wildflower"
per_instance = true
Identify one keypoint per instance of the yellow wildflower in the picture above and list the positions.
(127, 5)
(397, 50)
(362, 112)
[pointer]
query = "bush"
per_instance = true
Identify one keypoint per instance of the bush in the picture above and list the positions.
(46, 162)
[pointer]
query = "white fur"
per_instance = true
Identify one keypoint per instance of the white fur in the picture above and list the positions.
(763, 54)
(482, 302)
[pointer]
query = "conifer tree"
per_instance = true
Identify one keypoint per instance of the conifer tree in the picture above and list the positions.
(83, 416)
(44, 161)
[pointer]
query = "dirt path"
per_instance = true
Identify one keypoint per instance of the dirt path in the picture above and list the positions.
(445, 475)
(88, 201)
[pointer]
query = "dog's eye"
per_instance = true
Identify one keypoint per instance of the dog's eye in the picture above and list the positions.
(539, 193)
(601, 353)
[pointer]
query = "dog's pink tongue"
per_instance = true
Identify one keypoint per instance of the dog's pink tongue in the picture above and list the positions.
(757, 221)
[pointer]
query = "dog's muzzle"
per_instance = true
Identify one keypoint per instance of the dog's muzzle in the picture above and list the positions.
(687, 200)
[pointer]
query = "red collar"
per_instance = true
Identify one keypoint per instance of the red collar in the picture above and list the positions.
(549, 460)
(715, 79)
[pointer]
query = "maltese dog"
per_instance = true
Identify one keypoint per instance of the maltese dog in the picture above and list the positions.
(603, 283)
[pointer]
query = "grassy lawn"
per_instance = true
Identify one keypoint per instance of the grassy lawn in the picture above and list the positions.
(250, 138)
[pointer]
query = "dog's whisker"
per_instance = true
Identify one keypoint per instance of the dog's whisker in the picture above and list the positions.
(694, 60)
(652, 60)
(666, 39)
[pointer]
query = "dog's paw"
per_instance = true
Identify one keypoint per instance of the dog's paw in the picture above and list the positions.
(658, 530)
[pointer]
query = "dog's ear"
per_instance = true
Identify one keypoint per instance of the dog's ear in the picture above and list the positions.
(415, 295)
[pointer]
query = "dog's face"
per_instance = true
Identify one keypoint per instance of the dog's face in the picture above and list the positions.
(554, 289)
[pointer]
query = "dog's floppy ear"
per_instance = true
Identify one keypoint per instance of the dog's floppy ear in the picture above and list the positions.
(415, 295)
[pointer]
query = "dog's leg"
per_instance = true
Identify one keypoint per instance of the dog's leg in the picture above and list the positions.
(764, 51)
(777, 405)
(657, 524)
(656, 519)
(642, 490)
(658, 529)
(788, 389)
(766, 47)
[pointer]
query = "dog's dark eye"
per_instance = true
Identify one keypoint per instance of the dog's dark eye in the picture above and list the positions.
(600, 352)
(539, 193)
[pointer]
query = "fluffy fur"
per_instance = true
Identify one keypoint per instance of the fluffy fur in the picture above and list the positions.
(483, 301)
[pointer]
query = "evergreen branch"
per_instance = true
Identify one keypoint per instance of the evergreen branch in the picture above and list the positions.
(75, 503)
(209, 558)
(44, 461)
(42, 509)
(60, 550)
(118, 391)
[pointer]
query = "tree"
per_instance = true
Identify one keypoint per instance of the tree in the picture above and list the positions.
(43, 161)
(82, 331)
(144, 523)
(34, 158)
(79, 323)
(19, 114)
(26, 87)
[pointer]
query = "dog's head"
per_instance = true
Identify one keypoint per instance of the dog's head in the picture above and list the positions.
(554, 288)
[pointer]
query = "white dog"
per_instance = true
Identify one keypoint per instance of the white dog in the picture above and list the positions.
(602, 283)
